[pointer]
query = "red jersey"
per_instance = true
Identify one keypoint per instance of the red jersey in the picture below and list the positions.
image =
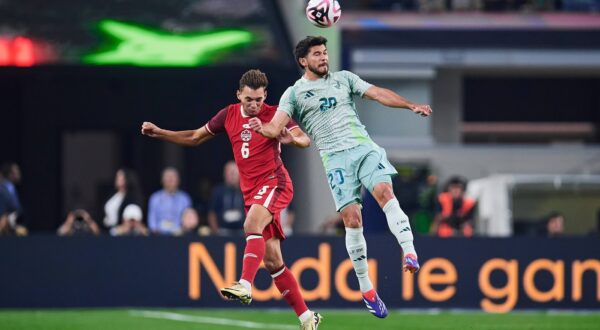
(258, 158)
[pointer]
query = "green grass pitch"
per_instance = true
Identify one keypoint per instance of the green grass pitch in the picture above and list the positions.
(223, 319)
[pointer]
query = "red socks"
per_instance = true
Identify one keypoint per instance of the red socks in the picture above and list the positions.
(253, 256)
(283, 278)
(288, 286)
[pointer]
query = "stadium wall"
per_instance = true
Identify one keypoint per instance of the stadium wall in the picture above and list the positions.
(496, 275)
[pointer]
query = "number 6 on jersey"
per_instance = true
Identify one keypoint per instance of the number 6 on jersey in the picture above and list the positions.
(245, 149)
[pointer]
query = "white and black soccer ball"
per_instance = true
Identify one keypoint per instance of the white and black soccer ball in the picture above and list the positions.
(323, 13)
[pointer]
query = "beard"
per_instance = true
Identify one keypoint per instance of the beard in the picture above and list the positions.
(319, 70)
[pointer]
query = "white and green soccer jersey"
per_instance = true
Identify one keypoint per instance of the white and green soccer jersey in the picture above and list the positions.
(326, 109)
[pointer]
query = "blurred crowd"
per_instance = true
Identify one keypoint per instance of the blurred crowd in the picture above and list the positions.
(169, 211)
(476, 5)
(445, 212)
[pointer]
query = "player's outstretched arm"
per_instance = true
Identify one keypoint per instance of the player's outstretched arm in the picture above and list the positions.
(188, 138)
(390, 99)
(271, 129)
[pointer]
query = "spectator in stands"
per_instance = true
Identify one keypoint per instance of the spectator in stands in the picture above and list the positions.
(4, 224)
(10, 176)
(189, 223)
(128, 192)
(226, 213)
(167, 206)
(4, 210)
(131, 224)
(78, 223)
(555, 224)
(455, 211)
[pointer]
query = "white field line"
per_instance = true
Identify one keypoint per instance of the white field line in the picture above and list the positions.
(208, 320)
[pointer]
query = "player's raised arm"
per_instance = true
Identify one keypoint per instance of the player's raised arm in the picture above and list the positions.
(188, 138)
(390, 99)
(271, 129)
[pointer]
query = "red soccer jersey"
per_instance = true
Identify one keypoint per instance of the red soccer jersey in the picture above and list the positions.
(258, 158)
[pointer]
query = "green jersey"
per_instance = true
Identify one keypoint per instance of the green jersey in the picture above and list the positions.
(326, 109)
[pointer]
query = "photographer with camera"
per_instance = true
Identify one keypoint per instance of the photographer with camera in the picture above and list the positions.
(78, 223)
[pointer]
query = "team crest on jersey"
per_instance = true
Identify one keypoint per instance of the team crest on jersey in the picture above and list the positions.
(246, 135)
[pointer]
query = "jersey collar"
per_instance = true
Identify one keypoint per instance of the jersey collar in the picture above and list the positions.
(242, 112)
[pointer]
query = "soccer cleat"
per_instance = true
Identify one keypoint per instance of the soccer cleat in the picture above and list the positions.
(237, 292)
(376, 306)
(410, 263)
(312, 323)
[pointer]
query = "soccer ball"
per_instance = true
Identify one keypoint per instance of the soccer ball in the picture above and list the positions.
(323, 13)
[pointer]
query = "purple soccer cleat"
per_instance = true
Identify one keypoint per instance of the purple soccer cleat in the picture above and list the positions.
(376, 306)
(410, 263)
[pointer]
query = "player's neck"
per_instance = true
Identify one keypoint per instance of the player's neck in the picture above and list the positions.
(309, 75)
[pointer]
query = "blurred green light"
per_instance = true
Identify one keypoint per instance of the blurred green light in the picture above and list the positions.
(137, 45)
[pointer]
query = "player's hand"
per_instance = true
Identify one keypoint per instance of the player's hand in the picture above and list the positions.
(255, 124)
(149, 129)
(421, 109)
(285, 137)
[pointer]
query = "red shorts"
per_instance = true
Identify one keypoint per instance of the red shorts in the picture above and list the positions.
(275, 199)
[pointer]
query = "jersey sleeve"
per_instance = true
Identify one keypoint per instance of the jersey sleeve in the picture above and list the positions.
(287, 103)
(357, 85)
(216, 124)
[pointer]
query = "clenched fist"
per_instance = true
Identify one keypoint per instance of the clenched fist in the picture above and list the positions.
(255, 124)
(149, 129)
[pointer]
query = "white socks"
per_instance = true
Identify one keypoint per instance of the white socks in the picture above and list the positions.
(357, 250)
(399, 226)
(246, 284)
(305, 316)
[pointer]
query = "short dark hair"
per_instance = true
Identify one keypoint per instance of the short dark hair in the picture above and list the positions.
(304, 46)
(457, 180)
(6, 169)
(254, 79)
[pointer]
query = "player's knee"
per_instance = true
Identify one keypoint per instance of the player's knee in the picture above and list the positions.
(352, 216)
(272, 264)
(251, 226)
(353, 223)
(383, 193)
